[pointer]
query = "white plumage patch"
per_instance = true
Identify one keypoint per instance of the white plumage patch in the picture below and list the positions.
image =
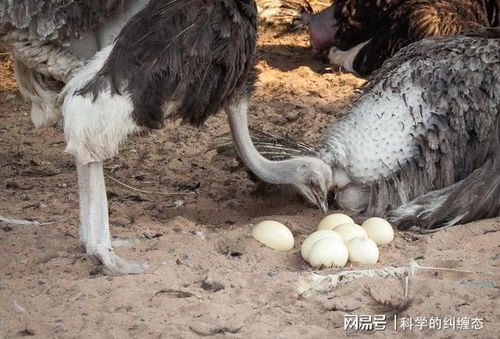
(94, 129)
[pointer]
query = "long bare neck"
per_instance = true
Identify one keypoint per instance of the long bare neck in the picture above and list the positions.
(275, 172)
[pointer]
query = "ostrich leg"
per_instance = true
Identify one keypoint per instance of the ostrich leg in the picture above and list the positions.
(94, 225)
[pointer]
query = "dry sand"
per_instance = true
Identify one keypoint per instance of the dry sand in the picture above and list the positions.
(50, 288)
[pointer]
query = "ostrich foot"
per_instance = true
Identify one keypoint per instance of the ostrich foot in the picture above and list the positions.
(114, 265)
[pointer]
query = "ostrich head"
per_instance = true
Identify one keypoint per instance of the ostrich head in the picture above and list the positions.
(312, 177)
(322, 28)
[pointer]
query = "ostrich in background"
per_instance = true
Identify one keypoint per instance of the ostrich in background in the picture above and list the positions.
(359, 35)
(421, 145)
(121, 66)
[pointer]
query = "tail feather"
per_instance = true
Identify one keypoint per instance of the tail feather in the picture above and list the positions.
(270, 146)
(42, 92)
(475, 197)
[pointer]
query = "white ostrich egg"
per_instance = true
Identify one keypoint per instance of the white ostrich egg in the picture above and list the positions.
(379, 230)
(328, 252)
(362, 250)
(349, 231)
(333, 220)
(274, 235)
(313, 238)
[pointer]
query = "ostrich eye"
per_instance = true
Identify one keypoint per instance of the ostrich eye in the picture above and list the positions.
(313, 182)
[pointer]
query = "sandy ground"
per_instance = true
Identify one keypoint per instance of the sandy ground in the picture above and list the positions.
(207, 276)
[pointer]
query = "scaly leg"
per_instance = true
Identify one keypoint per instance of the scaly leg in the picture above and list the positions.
(94, 225)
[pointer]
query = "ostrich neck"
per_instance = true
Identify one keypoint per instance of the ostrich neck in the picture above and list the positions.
(275, 172)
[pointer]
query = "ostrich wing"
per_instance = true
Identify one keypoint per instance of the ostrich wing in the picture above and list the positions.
(194, 53)
(57, 19)
(458, 77)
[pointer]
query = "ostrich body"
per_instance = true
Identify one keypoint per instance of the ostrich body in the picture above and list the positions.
(360, 35)
(421, 145)
(119, 67)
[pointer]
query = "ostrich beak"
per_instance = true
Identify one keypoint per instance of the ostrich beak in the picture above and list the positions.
(321, 201)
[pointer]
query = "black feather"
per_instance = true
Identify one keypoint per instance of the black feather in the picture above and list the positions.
(198, 53)
(394, 24)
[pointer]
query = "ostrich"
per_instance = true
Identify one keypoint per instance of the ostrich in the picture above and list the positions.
(421, 145)
(116, 67)
(361, 34)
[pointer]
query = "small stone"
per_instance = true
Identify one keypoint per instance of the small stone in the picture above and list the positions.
(210, 285)
(200, 235)
(18, 308)
(151, 235)
(272, 273)
(178, 203)
(24, 197)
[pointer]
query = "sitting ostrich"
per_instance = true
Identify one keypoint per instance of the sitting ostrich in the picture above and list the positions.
(119, 67)
(360, 35)
(421, 145)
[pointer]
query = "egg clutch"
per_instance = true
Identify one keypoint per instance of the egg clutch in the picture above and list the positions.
(336, 241)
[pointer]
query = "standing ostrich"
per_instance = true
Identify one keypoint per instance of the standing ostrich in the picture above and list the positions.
(360, 35)
(119, 67)
(421, 145)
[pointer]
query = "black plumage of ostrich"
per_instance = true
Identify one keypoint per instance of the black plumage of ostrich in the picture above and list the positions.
(359, 35)
(421, 145)
(111, 68)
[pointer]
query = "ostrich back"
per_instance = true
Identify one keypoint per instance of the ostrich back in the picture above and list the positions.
(428, 119)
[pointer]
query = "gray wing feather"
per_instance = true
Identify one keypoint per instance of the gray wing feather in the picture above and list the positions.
(272, 147)
(460, 79)
(56, 19)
